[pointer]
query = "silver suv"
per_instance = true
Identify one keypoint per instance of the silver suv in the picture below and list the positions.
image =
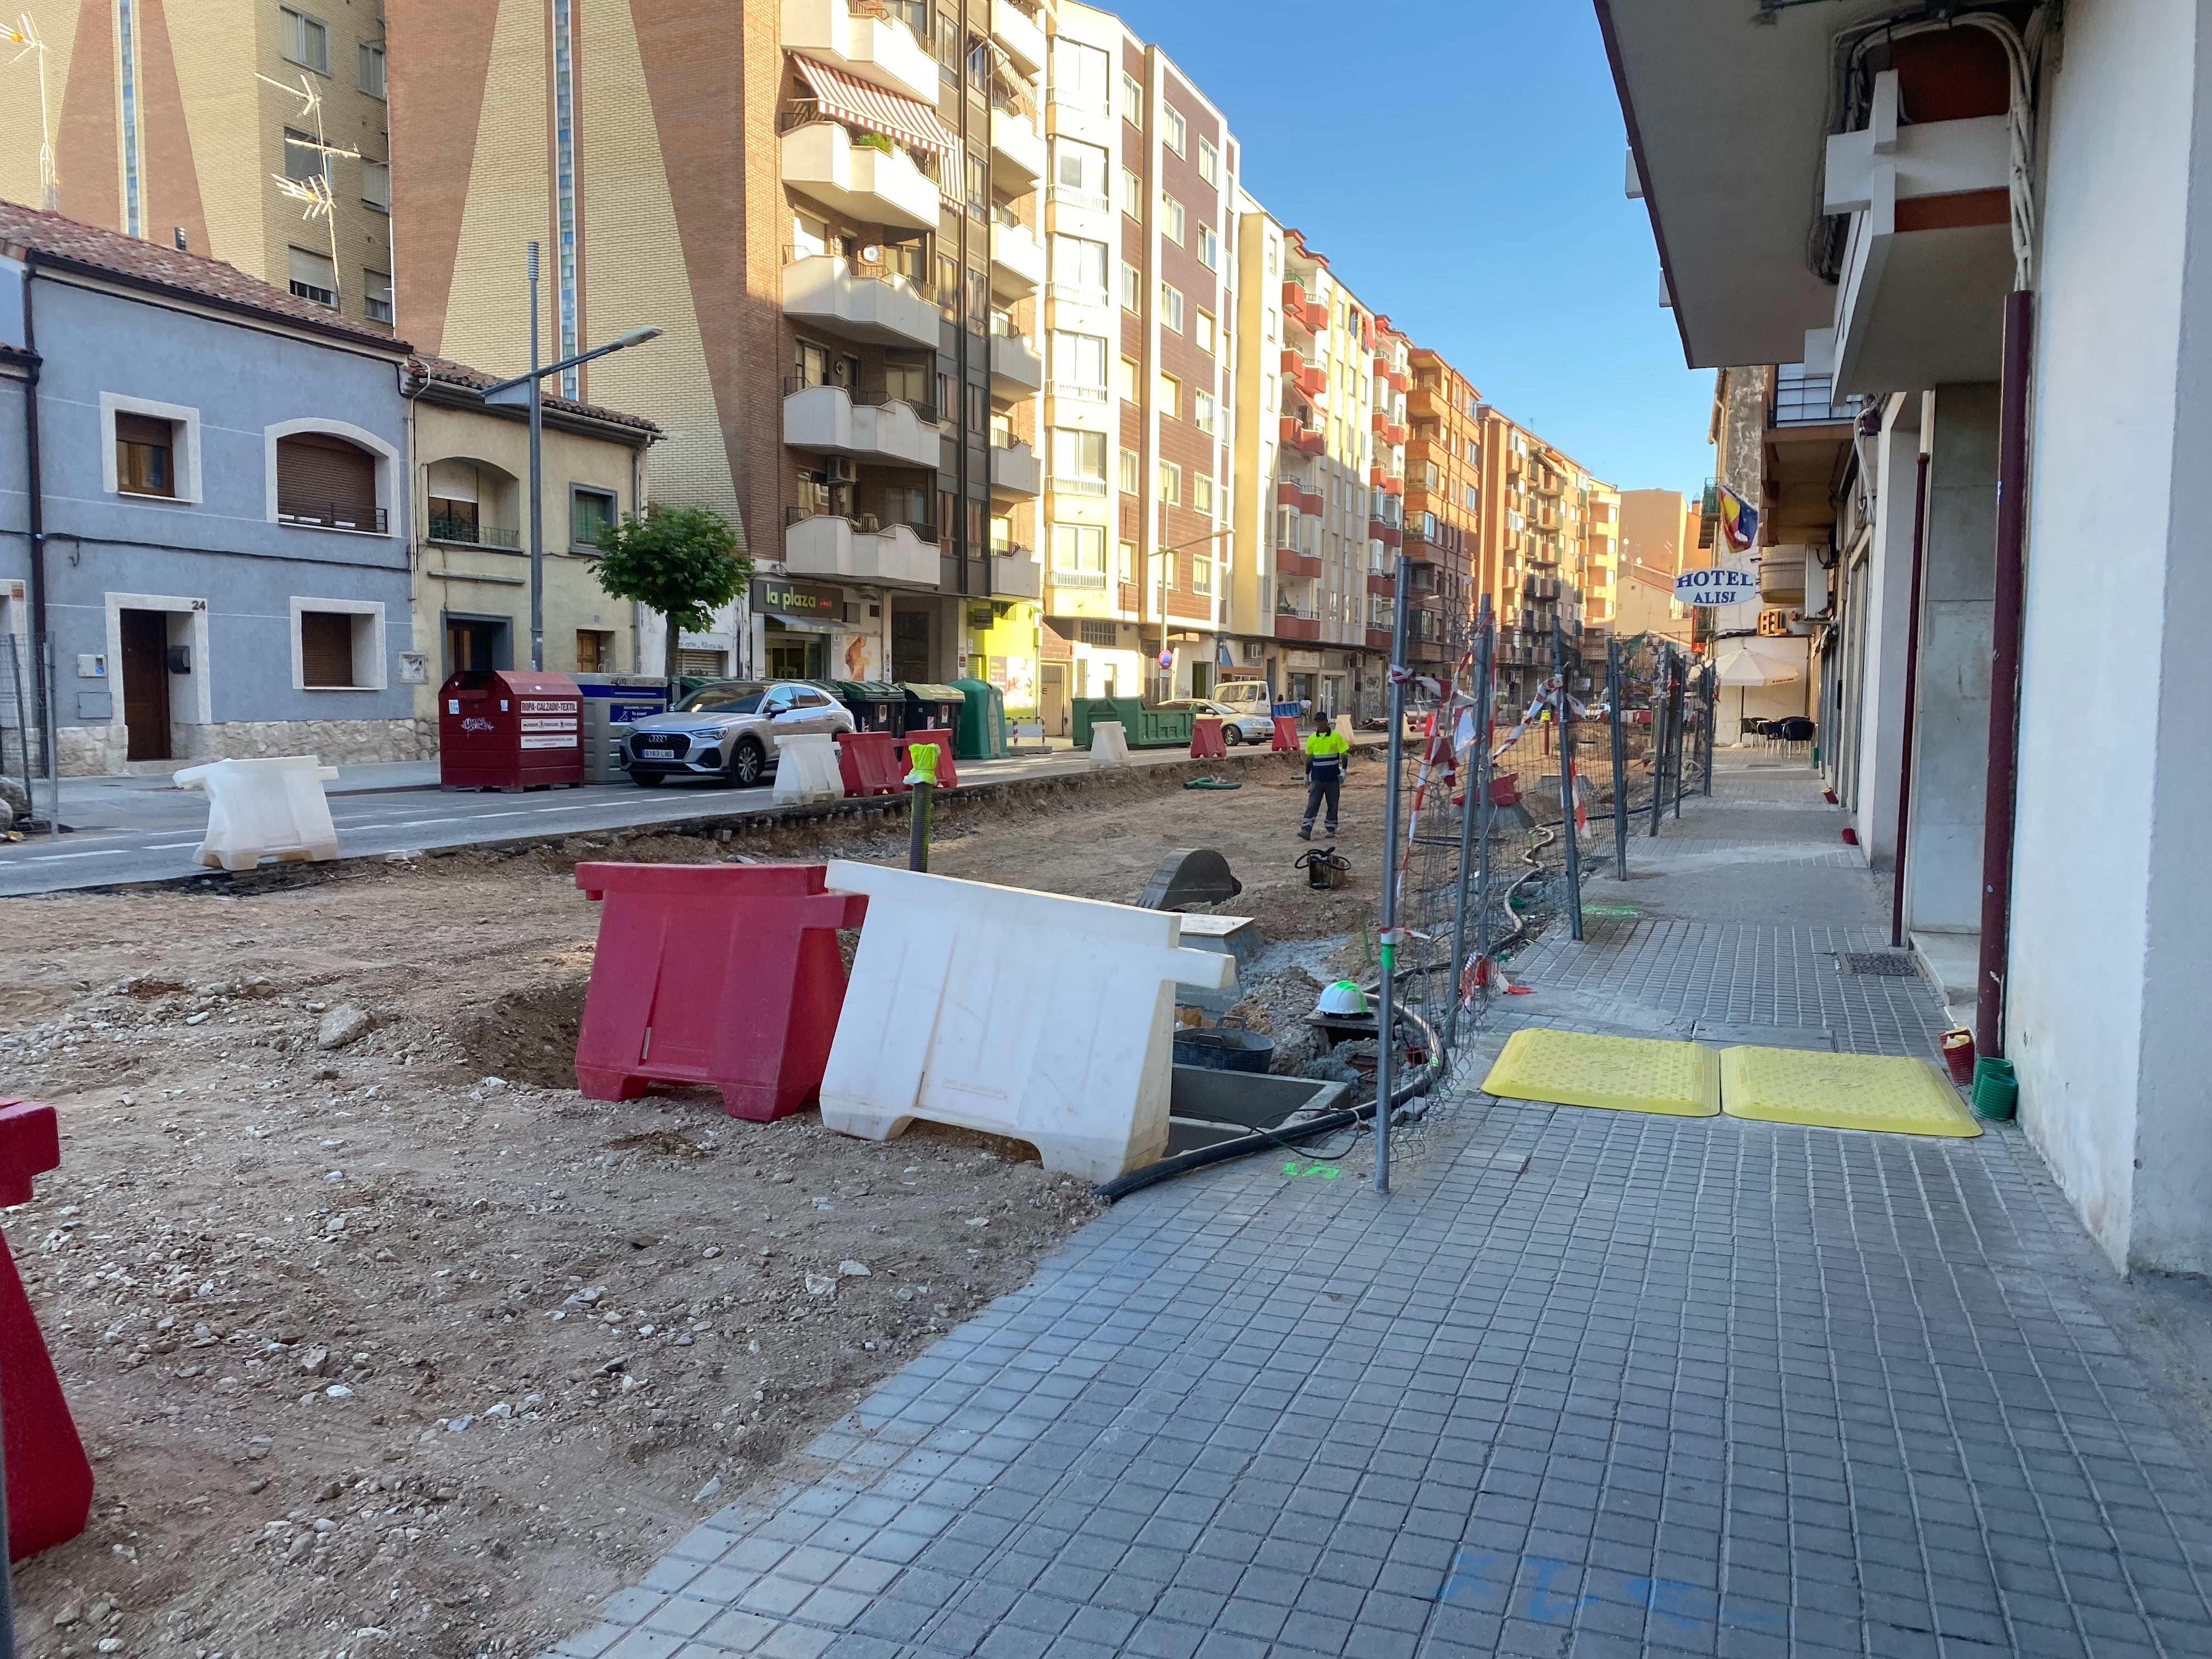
(728, 731)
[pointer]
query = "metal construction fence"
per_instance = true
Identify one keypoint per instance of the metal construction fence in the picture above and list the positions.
(22, 756)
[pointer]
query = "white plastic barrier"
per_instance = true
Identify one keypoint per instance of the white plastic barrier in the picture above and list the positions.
(1110, 745)
(259, 809)
(807, 770)
(1019, 1013)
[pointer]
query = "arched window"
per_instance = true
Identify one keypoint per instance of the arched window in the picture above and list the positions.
(328, 480)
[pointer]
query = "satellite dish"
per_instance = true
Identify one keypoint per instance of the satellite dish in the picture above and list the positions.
(872, 253)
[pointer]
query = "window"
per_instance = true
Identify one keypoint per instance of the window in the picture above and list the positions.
(1173, 134)
(1170, 483)
(304, 40)
(1078, 269)
(979, 184)
(376, 184)
(326, 650)
(1201, 494)
(979, 298)
(1170, 308)
(1079, 174)
(1078, 554)
(145, 455)
(1169, 392)
(1078, 462)
(368, 69)
(376, 295)
(1124, 562)
(1080, 75)
(1129, 465)
(1079, 365)
(1474, 501)
(314, 277)
(1203, 411)
(1132, 98)
(1132, 286)
(1430, 477)
(1128, 383)
(1209, 249)
(1209, 161)
(304, 159)
(323, 479)
(1133, 194)
(1172, 219)
(1202, 573)
(1201, 332)
(591, 513)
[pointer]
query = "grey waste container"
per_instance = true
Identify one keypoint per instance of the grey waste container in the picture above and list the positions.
(612, 704)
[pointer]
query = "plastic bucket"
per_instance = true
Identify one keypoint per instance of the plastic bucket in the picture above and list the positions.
(1228, 1046)
(1997, 1090)
(1958, 1055)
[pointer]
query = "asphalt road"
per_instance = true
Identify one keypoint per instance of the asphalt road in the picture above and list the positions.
(121, 834)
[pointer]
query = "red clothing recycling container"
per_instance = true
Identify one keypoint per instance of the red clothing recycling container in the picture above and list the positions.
(510, 728)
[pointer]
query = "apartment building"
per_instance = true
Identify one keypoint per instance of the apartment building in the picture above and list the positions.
(1657, 542)
(1600, 515)
(1141, 229)
(831, 213)
(248, 129)
(1443, 499)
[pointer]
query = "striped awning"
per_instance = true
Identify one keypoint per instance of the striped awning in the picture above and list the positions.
(845, 98)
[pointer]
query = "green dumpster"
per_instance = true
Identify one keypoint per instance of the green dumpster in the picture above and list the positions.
(1144, 728)
(982, 728)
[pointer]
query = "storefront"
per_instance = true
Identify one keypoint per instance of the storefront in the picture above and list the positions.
(1000, 648)
(806, 634)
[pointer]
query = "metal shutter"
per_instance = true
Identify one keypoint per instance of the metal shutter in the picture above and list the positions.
(325, 649)
(325, 480)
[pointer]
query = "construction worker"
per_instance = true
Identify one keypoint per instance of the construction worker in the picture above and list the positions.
(1326, 752)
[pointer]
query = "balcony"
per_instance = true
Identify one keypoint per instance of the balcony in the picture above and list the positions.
(1388, 429)
(1020, 34)
(1015, 572)
(1803, 399)
(876, 186)
(830, 420)
(1379, 639)
(1017, 367)
(1396, 378)
(887, 311)
(1309, 315)
(1306, 440)
(1290, 626)
(1015, 473)
(1378, 582)
(860, 550)
(1017, 262)
(364, 517)
(1309, 377)
(1390, 535)
(1306, 565)
(876, 50)
(1289, 493)
(1016, 153)
(467, 532)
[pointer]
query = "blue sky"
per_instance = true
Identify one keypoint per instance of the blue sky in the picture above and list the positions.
(1462, 166)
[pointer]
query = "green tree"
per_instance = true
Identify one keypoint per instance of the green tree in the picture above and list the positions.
(680, 561)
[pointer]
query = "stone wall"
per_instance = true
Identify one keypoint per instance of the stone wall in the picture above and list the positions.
(100, 750)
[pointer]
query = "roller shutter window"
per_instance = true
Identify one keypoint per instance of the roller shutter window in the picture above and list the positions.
(702, 664)
(325, 480)
(326, 649)
(145, 455)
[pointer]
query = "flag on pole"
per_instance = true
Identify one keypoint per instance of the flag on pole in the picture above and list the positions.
(1738, 520)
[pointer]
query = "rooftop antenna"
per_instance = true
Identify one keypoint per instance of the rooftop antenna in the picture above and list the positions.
(23, 34)
(315, 193)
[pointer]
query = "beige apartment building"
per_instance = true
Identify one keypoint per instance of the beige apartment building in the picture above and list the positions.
(251, 131)
(1658, 541)
(831, 212)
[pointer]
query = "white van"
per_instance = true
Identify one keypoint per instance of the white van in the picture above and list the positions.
(1245, 697)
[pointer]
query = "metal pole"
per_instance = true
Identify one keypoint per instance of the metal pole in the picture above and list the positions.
(1681, 711)
(1567, 782)
(1659, 700)
(536, 484)
(1619, 761)
(1386, 1032)
(1999, 795)
(51, 739)
(1712, 718)
(1466, 813)
(1911, 695)
(1484, 808)
(917, 846)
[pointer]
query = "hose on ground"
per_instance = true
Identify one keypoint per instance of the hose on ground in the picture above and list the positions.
(1223, 1151)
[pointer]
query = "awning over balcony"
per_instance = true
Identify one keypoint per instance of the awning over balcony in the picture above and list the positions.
(844, 98)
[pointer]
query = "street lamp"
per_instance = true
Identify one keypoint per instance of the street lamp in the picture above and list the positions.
(525, 391)
(1167, 579)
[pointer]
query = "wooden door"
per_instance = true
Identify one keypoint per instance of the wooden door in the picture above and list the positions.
(1052, 701)
(146, 684)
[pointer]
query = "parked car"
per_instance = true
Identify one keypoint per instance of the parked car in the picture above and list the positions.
(727, 730)
(1245, 697)
(1239, 723)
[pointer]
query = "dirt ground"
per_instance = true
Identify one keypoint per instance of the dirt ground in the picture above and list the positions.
(405, 1346)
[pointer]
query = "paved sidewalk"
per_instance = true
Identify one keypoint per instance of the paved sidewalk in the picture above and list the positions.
(1586, 1383)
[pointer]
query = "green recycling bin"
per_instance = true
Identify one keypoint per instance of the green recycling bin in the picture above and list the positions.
(981, 732)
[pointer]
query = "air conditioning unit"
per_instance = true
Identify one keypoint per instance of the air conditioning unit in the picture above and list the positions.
(840, 469)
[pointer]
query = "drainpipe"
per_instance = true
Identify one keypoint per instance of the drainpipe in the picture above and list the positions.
(1912, 697)
(42, 646)
(2000, 799)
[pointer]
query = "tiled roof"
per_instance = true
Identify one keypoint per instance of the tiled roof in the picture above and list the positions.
(444, 369)
(192, 276)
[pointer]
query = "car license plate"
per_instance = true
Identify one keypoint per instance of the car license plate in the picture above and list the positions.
(661, 748)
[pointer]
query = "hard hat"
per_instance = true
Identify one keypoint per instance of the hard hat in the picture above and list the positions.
(1345, 997)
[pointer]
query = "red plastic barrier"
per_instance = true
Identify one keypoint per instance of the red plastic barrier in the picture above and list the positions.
(1206, 740)
(1287, 735)
(722, 974)
(948, 775)
(48, 1477)
(870, 763)
(1506, 789)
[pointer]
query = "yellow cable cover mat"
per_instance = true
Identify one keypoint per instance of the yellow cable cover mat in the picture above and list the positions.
(1622, 1074)
(1842, 1092)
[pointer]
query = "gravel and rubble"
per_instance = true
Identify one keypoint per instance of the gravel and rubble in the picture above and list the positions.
(383, 1339)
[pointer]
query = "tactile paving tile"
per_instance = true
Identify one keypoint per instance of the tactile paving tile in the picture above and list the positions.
(1842, 1092)
(1621, 1074)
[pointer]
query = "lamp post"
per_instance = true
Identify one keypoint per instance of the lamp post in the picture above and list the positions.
(527, 391)
(1167, 579)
